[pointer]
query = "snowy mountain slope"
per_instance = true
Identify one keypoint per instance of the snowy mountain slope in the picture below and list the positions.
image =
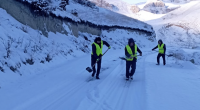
(180, 27)
(119, 6)
(90, 13)
(138, 11)
(26, 51)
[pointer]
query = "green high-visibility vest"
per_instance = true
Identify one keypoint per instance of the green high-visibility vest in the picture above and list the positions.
(128, 48)
(98, 49)
(161, 49)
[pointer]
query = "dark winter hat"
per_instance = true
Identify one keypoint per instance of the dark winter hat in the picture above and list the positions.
(131, 40)
(98, 39)
(160, 41)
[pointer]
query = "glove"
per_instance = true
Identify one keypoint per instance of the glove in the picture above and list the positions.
(109, 47)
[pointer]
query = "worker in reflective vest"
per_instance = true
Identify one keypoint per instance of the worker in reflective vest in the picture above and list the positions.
(161, 53)
(96, 55)
(131, 58)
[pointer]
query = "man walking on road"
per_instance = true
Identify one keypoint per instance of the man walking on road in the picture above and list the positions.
(131, 58)
(162, 49)
(96, 55)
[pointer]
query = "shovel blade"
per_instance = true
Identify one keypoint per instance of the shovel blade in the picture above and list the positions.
(170, 55)
(89, 69)
(122, 58)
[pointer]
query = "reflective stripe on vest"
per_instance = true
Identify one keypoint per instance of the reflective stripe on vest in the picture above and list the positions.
(128, 48)
(161, 49)
(98, 49)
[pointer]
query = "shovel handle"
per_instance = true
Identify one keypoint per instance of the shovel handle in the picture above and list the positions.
(170, 55)
(101, 56)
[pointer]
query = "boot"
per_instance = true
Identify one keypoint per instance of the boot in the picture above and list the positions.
(131, 77)
(93, 74)
(97, 77)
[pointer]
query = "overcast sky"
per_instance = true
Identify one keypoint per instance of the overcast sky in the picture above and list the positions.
(134, 1)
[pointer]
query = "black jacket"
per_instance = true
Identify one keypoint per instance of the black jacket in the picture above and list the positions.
(94, 48)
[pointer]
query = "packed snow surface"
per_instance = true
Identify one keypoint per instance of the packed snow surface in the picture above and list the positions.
(65, 86)
(62, 84)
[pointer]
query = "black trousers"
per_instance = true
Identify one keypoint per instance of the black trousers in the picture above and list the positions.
(93, 61)
(158, 58)
(132, 65)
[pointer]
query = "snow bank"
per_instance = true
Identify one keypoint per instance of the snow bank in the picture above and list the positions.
(191, 55)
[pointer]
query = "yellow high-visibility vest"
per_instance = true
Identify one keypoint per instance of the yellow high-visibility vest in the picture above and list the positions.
(131, 53)
(98, 49)
(161, 49)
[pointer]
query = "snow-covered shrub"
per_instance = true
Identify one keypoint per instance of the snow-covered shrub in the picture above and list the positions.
(196, 58)
(1, 66)
(30, 61)
(63, 4)
(7, 45)
(24, 28)
(74, 12)
(48, 58)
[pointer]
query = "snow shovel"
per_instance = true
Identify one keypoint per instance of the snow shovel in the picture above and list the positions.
(170, 55)
(89, 69)
(122, 58)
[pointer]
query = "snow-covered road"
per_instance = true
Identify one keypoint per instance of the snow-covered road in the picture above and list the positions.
(64, 87)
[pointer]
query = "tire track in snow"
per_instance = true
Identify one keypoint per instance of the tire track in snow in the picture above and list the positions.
(61, 97)
(113, 95)
(47, 95)
(87, 102)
